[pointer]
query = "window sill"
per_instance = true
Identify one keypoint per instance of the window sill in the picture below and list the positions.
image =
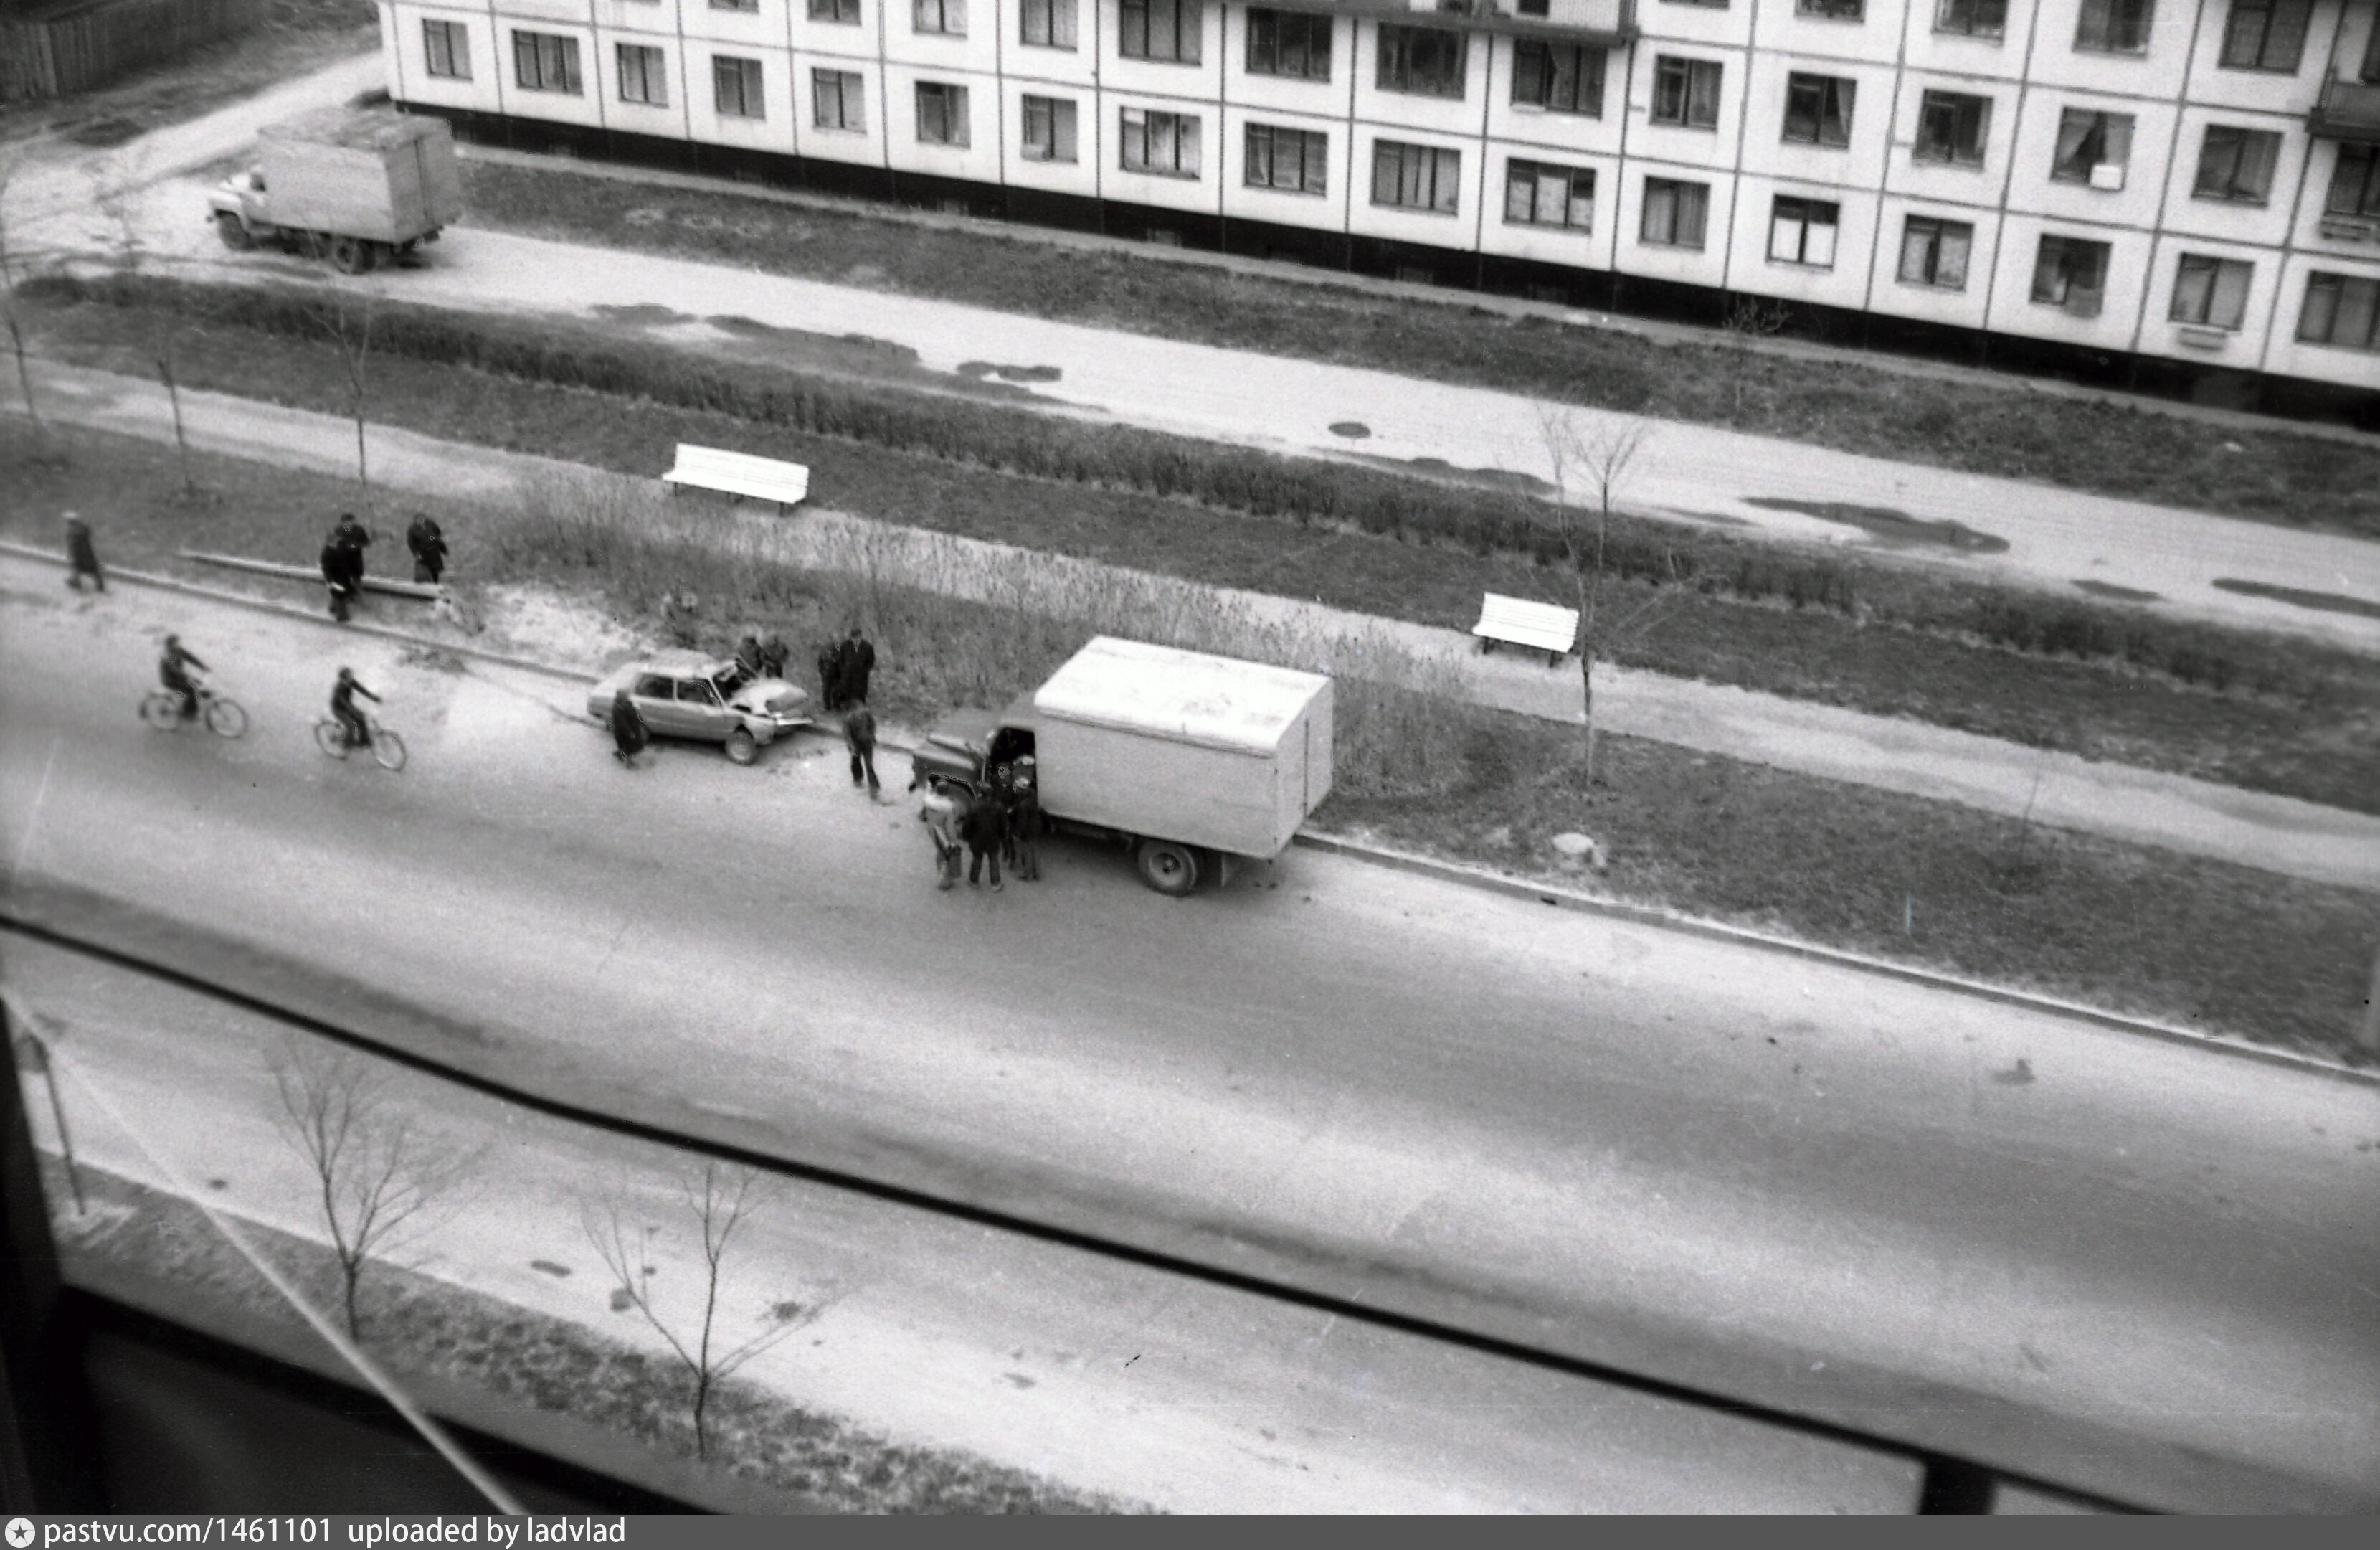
(1144, 60)
(1418, 209)
(1293, 193)
(1673, 247)
(1994, 39)
(1054, 48)
(1929, 284)
(944, 145)
(1161, 172)
(1432, 96)
(2141, 53)
(1948, 163)
(838, 129)
(1817, 144)
(1048, 160)
(741, 118)
(1564, 229)
(1776, 263)
(1541, 109)
(2202, 335)
(2083, 313)
(2260, 69)
(2240, 200)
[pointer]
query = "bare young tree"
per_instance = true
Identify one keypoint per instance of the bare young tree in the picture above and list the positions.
(1593, 459)
(350, 328)
(9, 313)
(719, 1200)
(374, 1172)
(1750, 320)
(164, 307)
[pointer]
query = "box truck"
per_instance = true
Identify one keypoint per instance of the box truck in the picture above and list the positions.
(1194, 761)
(360, 188)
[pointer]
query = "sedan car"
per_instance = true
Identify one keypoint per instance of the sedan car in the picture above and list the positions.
(705, 699)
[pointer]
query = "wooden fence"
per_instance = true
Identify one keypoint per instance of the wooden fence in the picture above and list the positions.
(57, 50)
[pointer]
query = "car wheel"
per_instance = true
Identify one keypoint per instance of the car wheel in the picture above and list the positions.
(235, 234)
(741, 747)
(1168, 867)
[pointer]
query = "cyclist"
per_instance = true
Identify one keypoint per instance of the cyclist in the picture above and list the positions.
(173, 671)
(343, 705)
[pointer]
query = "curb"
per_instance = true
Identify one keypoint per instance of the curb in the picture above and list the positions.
(1405, 861)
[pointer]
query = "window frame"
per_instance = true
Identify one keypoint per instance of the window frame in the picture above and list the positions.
(2069, 247)
(938, 18)
(850, 100)
(1839, 92)
(1061, 24)
(2113, 17)
(1265, 51)
(1185, 33)
(1184, 130)
(447, 32)
(1313, 149)
(1942, 228)
(2108, 122)
(1063, 119)
(2251, 149)
(955, 110)
(1803, 215)
(1676, 76)
(2364, 201)
(1443, 178)
(1538, 174)
(1543, 58)
(2221, 280)
(1677, 191)
(2270, 22)
(751, 88)
(748, 6)
(565, 54)
(839, 12)
(652, 59)
(1976, 26)
(1396, 55)
(1832, 10)
(1956, 147)
(2340, 288)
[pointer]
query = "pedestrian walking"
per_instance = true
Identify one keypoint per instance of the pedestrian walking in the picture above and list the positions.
(629, 733)
(830, 671)
(83, 556)
(941, 813)
(772, 656)
(429, 546)
(858, 660)
(859, 735)
(982, 828)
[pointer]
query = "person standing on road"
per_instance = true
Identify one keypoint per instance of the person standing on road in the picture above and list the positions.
(174, 672)
(343, 573)
(858, 660)
(429, 546)
(747, 655)
(629, 734)
(941, 813)
(83, 556)
(1024, 822)
(772, 656)
(859, 734)
(830, 672)
(983, 830)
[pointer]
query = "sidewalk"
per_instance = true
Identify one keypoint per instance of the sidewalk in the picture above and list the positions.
(2274, 834)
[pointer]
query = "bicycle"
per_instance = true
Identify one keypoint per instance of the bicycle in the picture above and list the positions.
(387, 746)
(161, 708)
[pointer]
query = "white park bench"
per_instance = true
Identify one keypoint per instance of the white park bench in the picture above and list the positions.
(739, 473)
(1541, 627)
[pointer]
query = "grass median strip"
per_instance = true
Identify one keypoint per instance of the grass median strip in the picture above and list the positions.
(2107, 680)
(2267, 475)
(2130, 928)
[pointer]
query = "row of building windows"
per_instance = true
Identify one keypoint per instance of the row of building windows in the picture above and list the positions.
(2093, 146)
(1432, 61)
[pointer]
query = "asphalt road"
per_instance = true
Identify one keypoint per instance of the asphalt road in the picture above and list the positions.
(2143, 1269)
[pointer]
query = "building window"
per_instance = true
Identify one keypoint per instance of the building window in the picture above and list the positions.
(1422, 61)
(542, 62)
(1818, 109)
(2265, 36)
(1538, 195)
(1532, 7)
(1166, 31)
(946, 18)
(735, 5)
(1803, 231)
(2355, 181)
(2092, 147)
(1952, 128)
(2212, 292)
(1047, 24)
(1685, 91)
(1049, 129)
(2114, 26)
(1705, 4)
(644, 75)
(1559, 78)
(941, 114)
(2341, 310)
(1833, 10)
(1163, 143)
(838, 101)
(843, 13)
(1934, 252)
(1289, 44)
(446, 49)
(1415, 176)
(735, 87)
(1294, 161)
(1971, 19)
(2071, 273)
(1675, 212)
(2235, 164)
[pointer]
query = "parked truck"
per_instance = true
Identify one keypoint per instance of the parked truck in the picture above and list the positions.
(1194, 761)
(360, 188)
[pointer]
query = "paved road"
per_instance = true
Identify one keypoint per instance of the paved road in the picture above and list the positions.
(2139, 1268)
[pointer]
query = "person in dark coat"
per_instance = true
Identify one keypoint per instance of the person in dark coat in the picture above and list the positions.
(429, 546)
(343, 573)
(982, 828)
(858, 659)
(747, 655)
(830, 671)
(859, 734)
(772, 657)
(629, 734)
(1024, 821)
(83, 556)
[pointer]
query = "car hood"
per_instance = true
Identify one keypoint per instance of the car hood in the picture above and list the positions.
(772, 696)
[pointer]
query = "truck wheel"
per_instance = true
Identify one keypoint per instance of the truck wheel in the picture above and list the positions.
(351, 255)
(742, 748)
(1167, 867)
(235, 235)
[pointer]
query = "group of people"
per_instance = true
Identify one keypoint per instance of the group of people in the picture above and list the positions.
(343, 558)
(175, 662)
(1002, 822)
(843, 666)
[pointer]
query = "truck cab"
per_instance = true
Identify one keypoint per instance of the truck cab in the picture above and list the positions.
(965, 746)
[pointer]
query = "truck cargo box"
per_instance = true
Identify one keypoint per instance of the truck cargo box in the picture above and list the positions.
(387, 176)
(1180, 745)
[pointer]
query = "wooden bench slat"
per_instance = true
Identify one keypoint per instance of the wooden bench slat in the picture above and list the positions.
(1545, 627)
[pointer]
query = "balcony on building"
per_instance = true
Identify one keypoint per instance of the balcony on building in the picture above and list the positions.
(2346, 110)
(1601, 22)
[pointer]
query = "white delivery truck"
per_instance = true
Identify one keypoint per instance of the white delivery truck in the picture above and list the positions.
(360, 188)
(1195, 762)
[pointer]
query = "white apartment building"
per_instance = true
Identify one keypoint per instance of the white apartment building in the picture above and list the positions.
(2191, 186)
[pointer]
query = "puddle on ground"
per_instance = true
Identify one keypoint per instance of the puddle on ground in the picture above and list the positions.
(2120, 594)
(2327, 603)
(1887, 526)
(1438, 468)
(976, 370)
(1353, 430)
(643, 314)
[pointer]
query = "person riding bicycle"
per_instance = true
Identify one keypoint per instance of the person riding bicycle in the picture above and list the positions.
(173, 671)
(343, 705)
